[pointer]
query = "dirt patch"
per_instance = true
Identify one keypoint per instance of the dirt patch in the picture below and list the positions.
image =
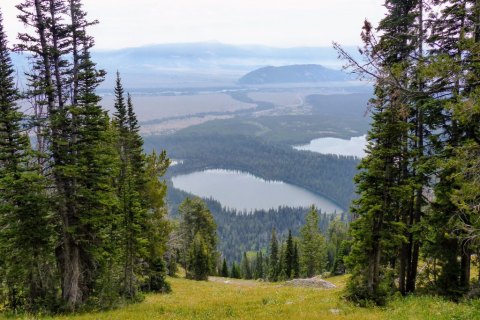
(315, 282)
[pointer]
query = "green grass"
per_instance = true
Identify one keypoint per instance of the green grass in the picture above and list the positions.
(241, 299)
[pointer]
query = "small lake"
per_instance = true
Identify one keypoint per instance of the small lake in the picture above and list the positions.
(353, 147)
(243, 191)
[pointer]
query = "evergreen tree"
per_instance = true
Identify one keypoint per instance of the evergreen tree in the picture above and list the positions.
(83, 171)
(62, 85)
(144, 226)
(376, 232)
(259, 266)
(235, 273)
(224, 272)
(282, 275)
(196, 218)
(26, 225)
(156, 226)
(273, 260)
(337, 235)
(455, 32)
(390, 208)
(296, 262)
(312, 244)
(246, 269)
(198, 260)
(131, 210)
(95, 166)
(289, 256)
(120, 115)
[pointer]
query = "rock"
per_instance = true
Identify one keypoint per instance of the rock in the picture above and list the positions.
(335, 311)
(315, 282)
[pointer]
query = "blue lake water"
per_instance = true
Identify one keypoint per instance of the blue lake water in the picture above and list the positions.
(353, 147)
(243, 191)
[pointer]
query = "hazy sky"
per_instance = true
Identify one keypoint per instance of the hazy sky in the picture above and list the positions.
(281, 23)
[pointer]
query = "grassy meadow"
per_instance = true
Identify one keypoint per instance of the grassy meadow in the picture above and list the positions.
(223, 298)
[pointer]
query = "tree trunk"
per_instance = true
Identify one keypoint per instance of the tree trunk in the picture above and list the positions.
(465, 266)
(402, 269)
(71, 277)
(420, 177)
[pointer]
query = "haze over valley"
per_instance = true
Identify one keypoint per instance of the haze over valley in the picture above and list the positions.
(225, 91)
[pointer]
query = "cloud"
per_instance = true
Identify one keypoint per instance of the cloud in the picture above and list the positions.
(284, 23)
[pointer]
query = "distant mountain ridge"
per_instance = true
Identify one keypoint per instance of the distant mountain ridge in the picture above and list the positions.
(192, 64)
(304, 73)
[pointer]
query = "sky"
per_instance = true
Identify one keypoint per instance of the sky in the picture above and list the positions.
(278, 23)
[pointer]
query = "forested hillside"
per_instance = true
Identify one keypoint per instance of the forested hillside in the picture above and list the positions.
(240, 232)
(292, 74)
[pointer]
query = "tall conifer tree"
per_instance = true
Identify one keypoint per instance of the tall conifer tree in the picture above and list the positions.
(26, 225)
(273, 260)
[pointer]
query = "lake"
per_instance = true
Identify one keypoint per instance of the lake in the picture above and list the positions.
(243, 191)
(353, 147)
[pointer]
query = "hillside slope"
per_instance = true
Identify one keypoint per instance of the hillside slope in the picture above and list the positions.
(241, 299)
(305, 73)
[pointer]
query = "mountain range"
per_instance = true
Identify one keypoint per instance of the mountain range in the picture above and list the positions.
(200, 64)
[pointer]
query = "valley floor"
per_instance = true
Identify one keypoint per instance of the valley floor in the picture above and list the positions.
(240, 299)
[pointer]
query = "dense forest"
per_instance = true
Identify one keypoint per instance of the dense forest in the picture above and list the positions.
(327, 175)
(240, 232)
(306, 253)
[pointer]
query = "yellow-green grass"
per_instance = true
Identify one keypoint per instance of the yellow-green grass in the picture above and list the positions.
(241, 299)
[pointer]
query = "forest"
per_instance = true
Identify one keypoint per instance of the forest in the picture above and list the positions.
(240, 232)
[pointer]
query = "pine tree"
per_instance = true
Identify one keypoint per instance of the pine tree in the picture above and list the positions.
(120, 115)
(196, 218)
(224, 272)
(296, 262)
(425, 121)
(246, 269)
(95, 165)
(289, 256)
(67, 115)
(235, 272)
(26, 225)
(282, 275)
(386, 237)
(274, 265)
(312, 243)
(259, 266)
(337, 235)
(455, 32)
(198, 261)
(107, 210)
(49, 46)
(157, 227)
(75, 142)
(131, 184)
